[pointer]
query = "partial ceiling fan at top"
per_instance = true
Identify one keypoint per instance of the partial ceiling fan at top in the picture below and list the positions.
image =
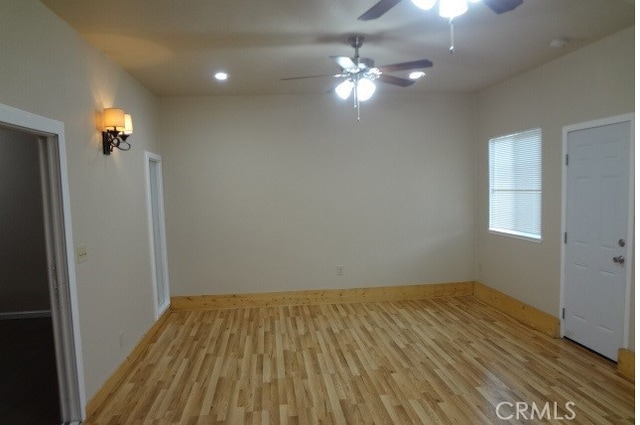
(449, 9)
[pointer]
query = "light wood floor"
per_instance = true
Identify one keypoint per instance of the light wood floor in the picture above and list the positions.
(446, 360)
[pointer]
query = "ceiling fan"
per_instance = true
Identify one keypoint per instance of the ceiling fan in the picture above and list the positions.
(358, 74)
(447, 9)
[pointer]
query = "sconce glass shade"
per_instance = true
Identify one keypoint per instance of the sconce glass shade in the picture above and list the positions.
(452, 8)
(113, 119)
(343, 90)
(117, 127)
(366, 88)
(128, 125)
(424, 4)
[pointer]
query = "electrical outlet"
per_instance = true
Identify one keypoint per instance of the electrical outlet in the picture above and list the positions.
(339, 270)
(81, 253)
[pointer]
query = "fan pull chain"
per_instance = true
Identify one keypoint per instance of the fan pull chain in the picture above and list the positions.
(452, 47)
(355, 96)
(356, 101)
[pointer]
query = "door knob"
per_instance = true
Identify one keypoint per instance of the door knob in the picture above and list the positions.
(619, 259)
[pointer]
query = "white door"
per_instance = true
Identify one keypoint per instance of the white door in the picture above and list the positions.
(155, 208)
(598, 236)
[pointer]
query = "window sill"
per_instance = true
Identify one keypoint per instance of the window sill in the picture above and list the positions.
(515, 235)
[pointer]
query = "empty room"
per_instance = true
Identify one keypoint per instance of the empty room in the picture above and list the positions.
(375, 211)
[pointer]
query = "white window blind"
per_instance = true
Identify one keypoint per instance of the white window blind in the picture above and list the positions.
(515, 184)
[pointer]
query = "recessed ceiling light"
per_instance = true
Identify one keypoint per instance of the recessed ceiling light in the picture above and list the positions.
(221, 76)
(416, 75)
(559, 42)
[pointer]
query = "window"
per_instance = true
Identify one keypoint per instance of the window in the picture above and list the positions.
(515, 184)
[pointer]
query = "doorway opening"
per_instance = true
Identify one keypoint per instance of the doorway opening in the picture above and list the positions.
(42, 312)
(157, 235)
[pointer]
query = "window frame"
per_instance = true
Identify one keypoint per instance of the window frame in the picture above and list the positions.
(513, 138)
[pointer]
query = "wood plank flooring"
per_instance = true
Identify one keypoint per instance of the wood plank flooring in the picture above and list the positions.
(438, 361)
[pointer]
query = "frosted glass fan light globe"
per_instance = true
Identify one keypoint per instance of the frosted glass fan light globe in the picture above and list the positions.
(424, 4)
(452, 8)
(343, 90)
(366, 88)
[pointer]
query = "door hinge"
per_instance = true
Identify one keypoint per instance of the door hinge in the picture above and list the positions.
(562, 313)
(565, 237)
(54, 277)
(566, 159)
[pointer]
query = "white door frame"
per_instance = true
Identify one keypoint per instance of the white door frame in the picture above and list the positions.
(154, 244)
(630, 232)
(68, 322)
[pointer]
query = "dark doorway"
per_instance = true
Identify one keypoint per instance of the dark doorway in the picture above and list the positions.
(28, 373)
(29, 384)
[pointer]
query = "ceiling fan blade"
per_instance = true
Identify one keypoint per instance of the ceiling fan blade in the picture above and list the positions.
(396, 81)
(344, 62)
(422, 63)
(502, 6)
(378, 10)
(310, 76)
(366, 62)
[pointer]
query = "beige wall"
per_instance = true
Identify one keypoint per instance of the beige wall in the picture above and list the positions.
(47, 69)
(594, 82)
(271, 193)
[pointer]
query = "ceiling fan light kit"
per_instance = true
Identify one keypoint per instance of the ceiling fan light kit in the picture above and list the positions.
(364, 89)
(451, 9)
(358, 74)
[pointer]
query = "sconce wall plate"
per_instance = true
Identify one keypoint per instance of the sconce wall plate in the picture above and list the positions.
(114, 139)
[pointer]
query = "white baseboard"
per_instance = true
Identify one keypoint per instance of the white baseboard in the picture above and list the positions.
(25, 314)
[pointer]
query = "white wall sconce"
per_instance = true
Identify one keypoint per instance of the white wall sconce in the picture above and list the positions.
(117, 127)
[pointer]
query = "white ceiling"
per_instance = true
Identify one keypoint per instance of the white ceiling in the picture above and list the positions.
(174, 46)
